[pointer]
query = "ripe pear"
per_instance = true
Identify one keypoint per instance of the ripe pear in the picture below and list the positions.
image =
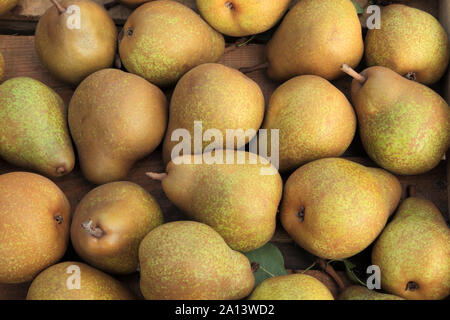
(110, 222)
(316, 37)
(404, 125)
(2, 67)
(335, 208)
(34, 225)
(410, 41)
(186, 260)
(34, 132)
(362, 293)
(413, 252)
(239, 18)
(221, 98)
(76, 281)
(315, 120)
(291, 287)
(146, 49)
(69, 51)
(237, 198)
(6, 5)
(115, 119)
(133, 3)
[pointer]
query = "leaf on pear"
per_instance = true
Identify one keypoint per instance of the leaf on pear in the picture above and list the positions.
(359, 9)
(267, 262)
(349, 267)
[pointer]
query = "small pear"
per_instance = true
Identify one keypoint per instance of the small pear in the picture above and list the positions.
(76, 281)
(291, 287)
(335, 208)
(413, 252)
(34, 225)
(186, 260)
(110, 222)
(362, 293)
(115, 119)
(7, 5)
(69, 51)
(34, 132)
(238, 198)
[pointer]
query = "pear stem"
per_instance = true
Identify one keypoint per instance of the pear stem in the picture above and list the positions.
(157, 176)
(352, 73)
(261, 66)
(328, 268)
(58, 6)
(93, 231)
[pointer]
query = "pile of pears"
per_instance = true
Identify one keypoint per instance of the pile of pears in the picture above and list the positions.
(120, 113)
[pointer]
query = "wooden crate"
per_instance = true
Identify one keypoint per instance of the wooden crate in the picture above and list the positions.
(21, 60)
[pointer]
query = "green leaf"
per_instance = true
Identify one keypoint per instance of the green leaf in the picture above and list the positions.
(358, 7)
(349, 266)
(268, 261)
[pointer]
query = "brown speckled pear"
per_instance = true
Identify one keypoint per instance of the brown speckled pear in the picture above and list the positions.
(410, 42)
(72, 53)
(240, 18)
(110, 222)
(335, 208)
(221, 98)
(315, 120)
(55, 283)
(2, 67)
(6, 5)
(34, 132)
(115, 119)
(316, 37)
(404, 125)
(133, 3)
(363, 293)
(162, 40)
(186, 260)
(291, 287)
(413, 252)
(34, 225)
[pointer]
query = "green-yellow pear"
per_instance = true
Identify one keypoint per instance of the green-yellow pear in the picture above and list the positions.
(33, 131)
(2, 67)
(335, 208)
(162, 40)
(411, 42)
(110, 222)
(218, 98)
(404, 125)
(316, 37)
(115, 119)
(186, 260)
(362, 293)
(315, 120)
(76, 281)
(34, 225)
(6, 5)
(413, 252)
(237, 197)
(239, 18)
(291, 287)
(74, 43)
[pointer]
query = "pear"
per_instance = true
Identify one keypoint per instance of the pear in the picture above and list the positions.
(237, 198)
(335, 208)
(186, 260)
(410, 42)
(110, 222)
(404, 125)
(362, 293)
(76, 281)
(69, 51)
(413, 252)
(2, 67)
(311, 31)
(6, 5)
(291, 287)
(33, 131)
(34, 225)
(221, 98)
(146, 49)
(115, 119)
(315, 120)
(239, 18)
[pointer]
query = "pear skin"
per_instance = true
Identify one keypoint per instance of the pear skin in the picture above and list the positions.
(186, 260)
(2, 67)
(413, 252)
(34, 225)
(335, 208)
(7, 5)
(362, 293)
(34, 134)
